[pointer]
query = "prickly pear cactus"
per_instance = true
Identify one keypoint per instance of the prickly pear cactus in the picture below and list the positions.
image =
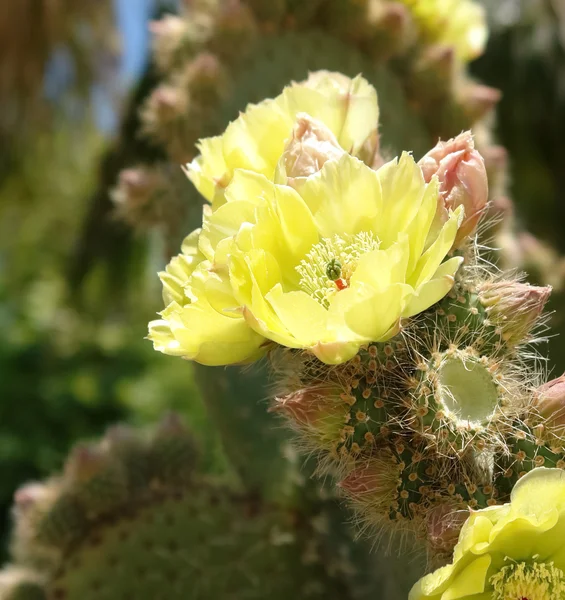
(132, 516)
(401, 358)
(218, 56)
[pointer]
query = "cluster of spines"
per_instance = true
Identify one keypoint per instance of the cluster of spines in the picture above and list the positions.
(532, 443)
(397, 442)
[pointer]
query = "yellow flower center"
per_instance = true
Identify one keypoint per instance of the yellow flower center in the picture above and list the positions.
(331, 262)
(528, 581)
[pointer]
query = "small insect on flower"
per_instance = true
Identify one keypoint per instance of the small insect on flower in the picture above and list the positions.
(333, 270)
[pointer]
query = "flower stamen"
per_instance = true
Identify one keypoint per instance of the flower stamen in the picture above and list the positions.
(328, 267)
(528, 581)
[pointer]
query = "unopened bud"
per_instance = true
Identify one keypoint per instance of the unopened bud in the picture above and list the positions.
(514, 307)
(463, 182)
(479, 100)
(312, 144)
(502, 208)
(435, 69)
(135, 186)
(235, 27)
(173, 452)
(172, 425)
(391, 29)
(169, 28)
(86, 462)
(167, 103)
(392, 15)
(443, 528)
(373, 482)
(175, 39)
(29, 496)
(138, 197)
(204, 69)
(549, 400)
(319, 412)
(362, 481)
(496, 158)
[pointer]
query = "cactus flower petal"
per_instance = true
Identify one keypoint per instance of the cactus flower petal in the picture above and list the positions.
(256, 139)
(327, 268)
(460, 24)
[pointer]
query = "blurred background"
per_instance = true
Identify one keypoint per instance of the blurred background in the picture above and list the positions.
(78, 285)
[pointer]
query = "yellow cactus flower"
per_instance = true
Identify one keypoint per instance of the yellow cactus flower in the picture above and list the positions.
(509, 552)
(256, 139)
(327, 268)
(460, 24)
(192, 326)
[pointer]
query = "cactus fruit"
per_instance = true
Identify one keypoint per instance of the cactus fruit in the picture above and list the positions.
(132, 517)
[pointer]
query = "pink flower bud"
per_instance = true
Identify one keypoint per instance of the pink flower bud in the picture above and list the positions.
(167, 103)
(479, 100)
(29, 496)
(85, 462)
(318, 413)
(549, 399)
(443, 527)
(514, 307)
(311, 145)
(390, 29)
(204, 69)
(437, 66)
(373, 483)
(135, 186)
(363, 481)
(463, 181)
(172, 425)
(168, 27)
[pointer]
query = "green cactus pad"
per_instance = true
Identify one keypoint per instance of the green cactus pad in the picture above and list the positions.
(177, 533)
(192, 544)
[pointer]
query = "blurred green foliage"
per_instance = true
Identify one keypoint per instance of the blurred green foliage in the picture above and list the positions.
(68, 368)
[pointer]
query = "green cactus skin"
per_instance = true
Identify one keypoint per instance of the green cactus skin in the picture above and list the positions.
(530, 444)
(172, 532)
(416, 423)
(189, 545)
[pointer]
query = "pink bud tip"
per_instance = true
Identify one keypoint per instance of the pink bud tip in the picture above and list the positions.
(549, 400)
(462, 176)
(479, 100)
(305, 407)
(514, 307)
